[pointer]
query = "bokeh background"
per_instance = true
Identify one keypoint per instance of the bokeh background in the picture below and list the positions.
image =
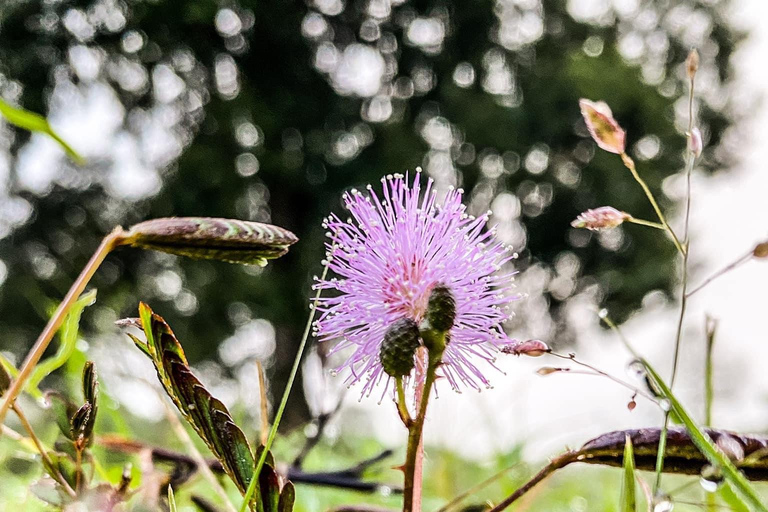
(269, 110)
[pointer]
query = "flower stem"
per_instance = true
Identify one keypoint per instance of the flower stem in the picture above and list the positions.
(111, 241)
(47, 462)
(402, 408)
(647, 223)
(281, 408)
(630, 164)
(412, 468)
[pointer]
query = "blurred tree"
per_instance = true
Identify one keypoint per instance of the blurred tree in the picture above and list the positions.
(268, 110)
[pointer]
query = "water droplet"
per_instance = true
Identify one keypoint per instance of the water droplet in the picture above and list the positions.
(636, 369)
(711, 478)
(384, 490)
(603, 313)
(663, 503)
(665, 405)
(334, 373)
(192, 407)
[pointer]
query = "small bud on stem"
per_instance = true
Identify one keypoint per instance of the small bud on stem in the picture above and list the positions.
(399, 347)
(692, 64)
(531, 348)
(597, 219)
(603, 128)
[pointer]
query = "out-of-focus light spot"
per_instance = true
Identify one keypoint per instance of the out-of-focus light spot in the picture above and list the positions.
(380, 9)
(252, 340)
(228, 23)
(506, 207)
(186, 303)
(3, 272)
(314, 26)
(464, 74)
(424, 79)
(370, 31)
(166, 85)
(404, 88)
(518, 27)
(631, 46)
(438, 133)
(568, 173)
(537, 159)
(359, 71)
(246, 164)
(427, 34)
(648, 147)
(329, 7)
(132, 41)
(168, 284)
(86, 62)
(76, 23)
(377, 110)
(593, 46)
(498, 76)
(226, 74)
(492, 165)
(129, 74)
(248, 135)
(596, 12)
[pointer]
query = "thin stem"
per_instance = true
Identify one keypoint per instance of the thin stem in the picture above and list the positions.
(743, 259)
(412, 498)
(690, 161)
(195, 454)
(709, 383)
(111, 241)
(402, 407)
(48, 463)
(278, 416)
(647, 223)
(630, 164)
(601, 373)
(263, 402)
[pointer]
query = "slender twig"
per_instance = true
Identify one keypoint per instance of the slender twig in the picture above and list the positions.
(111, 241)
(648, 223)
(742, 259)
(710, 328)
(48, 463)
(597, 371)
(476, 488)
(278, 416)
(556, 463)
(402, 407)
(690, 161)
(630, 164)
(202, 464)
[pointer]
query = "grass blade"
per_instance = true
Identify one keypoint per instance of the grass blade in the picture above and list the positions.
(628, 501)
(703, 442)
(36, 123)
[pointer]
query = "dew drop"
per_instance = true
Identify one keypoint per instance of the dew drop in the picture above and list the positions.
(663, 504)
(603, 314)
(711, 478)
(384, 490)
(636, 369)
(333, 373)
(665, 405)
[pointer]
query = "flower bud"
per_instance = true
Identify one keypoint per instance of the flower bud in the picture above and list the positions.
(603, 128)
(695, 145)
(399, 347)
(441, 308)
(760, 250)
(234, 241)
(605, 217)
(692, 64)
(531, 348)
(548, 370)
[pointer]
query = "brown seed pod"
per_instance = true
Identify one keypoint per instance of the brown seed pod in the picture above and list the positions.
(234, 241)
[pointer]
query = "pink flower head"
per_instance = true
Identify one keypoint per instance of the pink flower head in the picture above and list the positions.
(605, 217)
(603, 128)
(390, 255)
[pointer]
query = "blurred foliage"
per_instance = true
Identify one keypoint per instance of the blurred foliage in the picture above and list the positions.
(267, 111)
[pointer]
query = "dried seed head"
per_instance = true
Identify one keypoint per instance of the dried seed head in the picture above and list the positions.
(399, 347)
(605, 217)
(761, 250)
(441, 308)
(692, 64)
(531, 348)
(695, 144)
(603, 128)
(234, 241)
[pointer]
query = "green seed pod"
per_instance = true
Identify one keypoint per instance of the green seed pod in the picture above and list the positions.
(441, 308)
(234, 241)
(399, 347)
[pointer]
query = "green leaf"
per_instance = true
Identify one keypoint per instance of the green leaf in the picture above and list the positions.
(628, 501)
(704, 443)
(68, 336)
(36, 123)
(63, 410)
(287, 498)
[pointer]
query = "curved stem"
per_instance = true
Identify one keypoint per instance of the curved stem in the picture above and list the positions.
(402, 408)
(724, 270)
(648, 223)
(112, 240)
(278, 416)
(630, 164)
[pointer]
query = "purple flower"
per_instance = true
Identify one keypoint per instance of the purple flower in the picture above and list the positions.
(390, 255)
